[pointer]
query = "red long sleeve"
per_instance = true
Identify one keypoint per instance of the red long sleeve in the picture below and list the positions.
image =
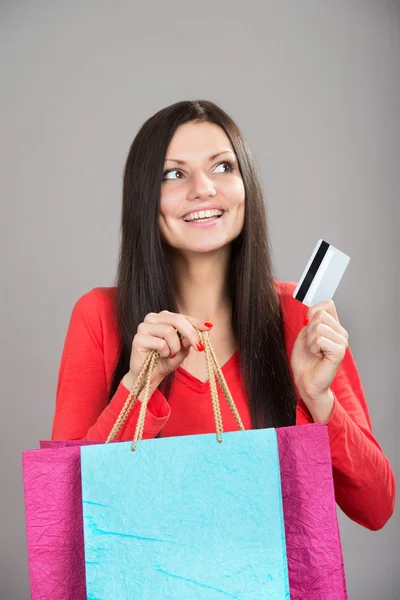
(81, 405)
(363, 478)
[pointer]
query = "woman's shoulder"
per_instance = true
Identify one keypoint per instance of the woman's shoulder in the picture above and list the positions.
(96, 305)
(94, 317)
(100, 302)
(284, 288)
(293, 311)
(98, 297)
(104, 297)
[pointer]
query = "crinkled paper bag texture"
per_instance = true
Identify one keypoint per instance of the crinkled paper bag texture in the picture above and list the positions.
(54, 522)
(54, 444)
(314, 551)
(185, 517)
(54, 527)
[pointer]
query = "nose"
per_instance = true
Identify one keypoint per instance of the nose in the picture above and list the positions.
(202, 187)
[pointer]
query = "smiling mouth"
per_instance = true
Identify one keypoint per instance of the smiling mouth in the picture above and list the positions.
(204, 219)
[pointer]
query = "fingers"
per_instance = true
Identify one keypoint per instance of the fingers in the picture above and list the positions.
(165, 333)
(326, 332)
(185, 325)
(327, 306)
(328, 348)
(325, 335)
(151, 342)
(322, 316)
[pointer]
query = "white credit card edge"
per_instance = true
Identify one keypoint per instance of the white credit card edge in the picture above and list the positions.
(332, 253)
(326, 261)
(327, 290)
(307, 267)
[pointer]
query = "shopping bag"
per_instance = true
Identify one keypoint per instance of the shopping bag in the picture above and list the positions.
(184, 517)
(57, 570)
(315, 559)
(187, 518)
(54, 522)
(54, 525)
(53, 513)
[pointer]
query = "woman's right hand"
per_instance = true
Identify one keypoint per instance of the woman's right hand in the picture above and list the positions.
(158, 332)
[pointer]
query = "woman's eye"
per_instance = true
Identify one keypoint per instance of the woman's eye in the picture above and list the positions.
(228, 168)
(168, 173)
(226, 164)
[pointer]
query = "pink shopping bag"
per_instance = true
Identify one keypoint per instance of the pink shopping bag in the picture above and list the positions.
(314, 551)
(54, 526)
(54, 522)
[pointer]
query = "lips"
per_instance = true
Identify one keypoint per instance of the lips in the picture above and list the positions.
(205, 223)
(197, 209)
(203, 215)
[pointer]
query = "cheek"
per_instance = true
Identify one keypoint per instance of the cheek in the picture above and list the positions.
(164, 203)
(238, 203)
(234, 192)
(169, 203)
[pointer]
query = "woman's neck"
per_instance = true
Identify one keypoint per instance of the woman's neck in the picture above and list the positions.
(201, 283)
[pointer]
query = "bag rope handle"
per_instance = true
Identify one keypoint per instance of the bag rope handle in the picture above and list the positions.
(143, 382)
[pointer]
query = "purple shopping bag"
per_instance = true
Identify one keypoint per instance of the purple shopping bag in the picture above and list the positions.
(314, 551)
(54, 525)
(54, 522)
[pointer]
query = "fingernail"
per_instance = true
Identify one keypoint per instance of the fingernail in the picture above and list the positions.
(306, 321)
(200, 347)
(209, 325)
(173, 356)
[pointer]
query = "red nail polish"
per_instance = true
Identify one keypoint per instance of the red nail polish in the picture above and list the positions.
(200, 347)
(207, 324)
(306, 321)
(172, 355)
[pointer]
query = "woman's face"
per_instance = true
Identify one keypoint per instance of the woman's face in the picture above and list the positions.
(201, 172)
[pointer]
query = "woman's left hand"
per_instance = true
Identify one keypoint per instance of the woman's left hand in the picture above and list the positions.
(317, 354)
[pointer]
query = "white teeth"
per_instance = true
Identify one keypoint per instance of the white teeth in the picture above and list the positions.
(203, 214)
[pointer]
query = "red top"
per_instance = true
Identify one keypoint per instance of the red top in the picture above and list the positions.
(364, 482)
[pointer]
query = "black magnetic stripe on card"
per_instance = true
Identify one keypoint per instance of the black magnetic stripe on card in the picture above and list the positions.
(312, 271)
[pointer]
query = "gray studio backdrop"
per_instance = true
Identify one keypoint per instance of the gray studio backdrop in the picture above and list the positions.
(315, 87)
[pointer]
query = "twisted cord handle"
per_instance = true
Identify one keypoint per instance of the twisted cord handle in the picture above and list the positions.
(143, 382)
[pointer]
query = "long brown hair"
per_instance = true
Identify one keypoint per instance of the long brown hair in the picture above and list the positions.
(144, 281)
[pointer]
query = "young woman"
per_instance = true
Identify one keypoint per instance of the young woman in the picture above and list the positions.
(195, 252)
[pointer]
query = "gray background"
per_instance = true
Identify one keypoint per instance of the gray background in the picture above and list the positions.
(314, 86)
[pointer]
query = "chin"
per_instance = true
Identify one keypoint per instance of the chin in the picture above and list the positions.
(203, 248)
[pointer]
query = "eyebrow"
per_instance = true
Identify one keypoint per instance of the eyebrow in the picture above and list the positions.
(213, 157)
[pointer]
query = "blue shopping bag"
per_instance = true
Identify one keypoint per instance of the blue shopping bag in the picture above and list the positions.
(184, 517)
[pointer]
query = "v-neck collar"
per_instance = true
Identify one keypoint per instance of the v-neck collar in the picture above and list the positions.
(194, 382)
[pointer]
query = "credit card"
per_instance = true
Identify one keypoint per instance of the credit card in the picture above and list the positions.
(322, 274)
